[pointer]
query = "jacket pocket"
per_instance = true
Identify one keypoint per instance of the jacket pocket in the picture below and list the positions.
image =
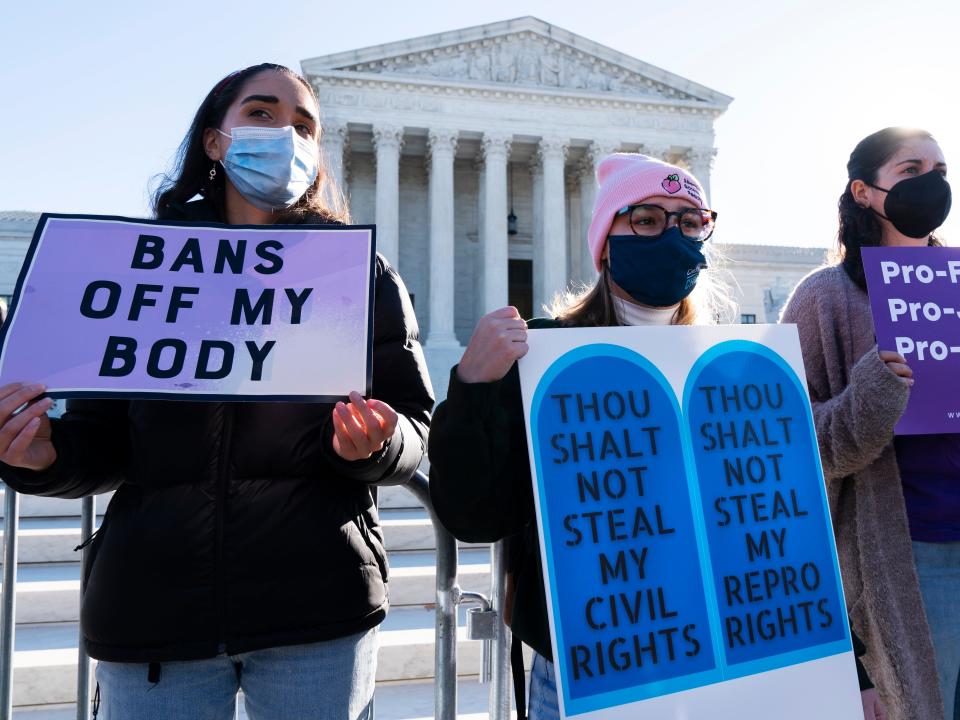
(90, 547)
(373, 543)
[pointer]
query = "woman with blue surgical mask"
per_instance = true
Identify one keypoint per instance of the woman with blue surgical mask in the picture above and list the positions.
(241, 549)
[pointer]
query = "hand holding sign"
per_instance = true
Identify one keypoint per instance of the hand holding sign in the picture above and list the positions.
(872, 708)
(498, 342)
(362, 427)
(898, 365)
(25, 435)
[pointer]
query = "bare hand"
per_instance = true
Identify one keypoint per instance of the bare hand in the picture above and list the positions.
(362, 428)
(872, 709)
(25, 435)
(898, 364)
(498, 342)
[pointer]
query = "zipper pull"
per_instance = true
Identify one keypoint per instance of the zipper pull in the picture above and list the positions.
(89, 540)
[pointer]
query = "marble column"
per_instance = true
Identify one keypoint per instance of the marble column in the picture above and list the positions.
(333, 141)
(496, 154)
(575, 222)
(658, 150)
(700, 160)
(539, 255)
(442, 145)
(588, 194)
(387, 141)
(553, 152)
(597, 151)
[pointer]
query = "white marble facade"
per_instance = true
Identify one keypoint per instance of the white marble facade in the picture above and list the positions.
(438, 139)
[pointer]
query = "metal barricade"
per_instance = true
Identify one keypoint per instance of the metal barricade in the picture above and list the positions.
(484, 624)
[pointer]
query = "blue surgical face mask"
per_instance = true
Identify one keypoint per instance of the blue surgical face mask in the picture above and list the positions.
(271, 167)
(656, 271)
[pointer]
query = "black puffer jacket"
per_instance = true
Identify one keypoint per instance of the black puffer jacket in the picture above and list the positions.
(235, 526)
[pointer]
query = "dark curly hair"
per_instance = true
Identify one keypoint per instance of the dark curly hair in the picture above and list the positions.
(859, 226)
(322, 202)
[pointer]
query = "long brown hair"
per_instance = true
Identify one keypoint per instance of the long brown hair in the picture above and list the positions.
(190, 176)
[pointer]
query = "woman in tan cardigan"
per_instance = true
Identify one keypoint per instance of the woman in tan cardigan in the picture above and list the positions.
(858, 394)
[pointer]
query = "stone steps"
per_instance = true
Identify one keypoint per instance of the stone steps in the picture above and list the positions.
(45, 656)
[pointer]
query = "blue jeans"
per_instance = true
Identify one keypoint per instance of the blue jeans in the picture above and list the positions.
(938, 565)
(543, 703)
(331, 680)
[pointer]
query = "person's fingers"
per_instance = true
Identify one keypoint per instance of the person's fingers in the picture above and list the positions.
(505, 312)
(18, 398)
(21, 443)
(352, 425)
(368, 419)
(521, 349)
(514, 324)
(891, 356)
(12, 428)
(10, 388)
(342, 436)
(516, 334)
(900, 369)
(389, 417)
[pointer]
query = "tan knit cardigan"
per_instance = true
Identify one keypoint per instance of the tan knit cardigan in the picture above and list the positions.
(857, 401)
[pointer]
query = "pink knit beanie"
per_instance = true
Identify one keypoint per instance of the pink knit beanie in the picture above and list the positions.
(629, 178)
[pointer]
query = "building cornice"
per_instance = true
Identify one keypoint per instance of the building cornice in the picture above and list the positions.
(499, 91)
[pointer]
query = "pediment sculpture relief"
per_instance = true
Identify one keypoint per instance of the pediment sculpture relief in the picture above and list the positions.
(526, 60)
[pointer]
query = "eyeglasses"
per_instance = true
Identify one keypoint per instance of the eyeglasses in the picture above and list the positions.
(651, 220)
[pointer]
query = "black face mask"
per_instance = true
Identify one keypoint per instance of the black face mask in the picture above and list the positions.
(656, 271)
(917, 206)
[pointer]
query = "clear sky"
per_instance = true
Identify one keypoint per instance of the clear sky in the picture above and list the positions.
(99, 94)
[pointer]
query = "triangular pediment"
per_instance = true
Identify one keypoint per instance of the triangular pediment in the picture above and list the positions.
(521, 53)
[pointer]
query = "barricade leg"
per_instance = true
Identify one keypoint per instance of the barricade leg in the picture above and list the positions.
(500, 643)
(87, 520)
(448, 597)
(11, 521)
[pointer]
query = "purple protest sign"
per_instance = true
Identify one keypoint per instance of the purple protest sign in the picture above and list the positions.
(915, 298)
(195, 311)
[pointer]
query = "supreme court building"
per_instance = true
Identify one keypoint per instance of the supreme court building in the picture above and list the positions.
(473, 151)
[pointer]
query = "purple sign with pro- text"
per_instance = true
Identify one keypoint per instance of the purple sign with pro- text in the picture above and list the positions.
(195, 311)
(915, 298)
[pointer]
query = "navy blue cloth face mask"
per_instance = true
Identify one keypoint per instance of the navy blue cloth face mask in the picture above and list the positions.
(656, 271)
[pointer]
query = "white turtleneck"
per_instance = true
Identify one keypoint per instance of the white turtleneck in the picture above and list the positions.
(633, 314)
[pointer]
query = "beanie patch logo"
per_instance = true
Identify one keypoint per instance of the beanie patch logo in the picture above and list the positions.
(672, 184)
(692, 190)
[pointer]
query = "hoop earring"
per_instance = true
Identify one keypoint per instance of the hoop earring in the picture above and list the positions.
(213, 172)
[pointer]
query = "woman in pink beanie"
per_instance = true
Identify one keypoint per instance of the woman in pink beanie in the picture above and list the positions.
(648, 238)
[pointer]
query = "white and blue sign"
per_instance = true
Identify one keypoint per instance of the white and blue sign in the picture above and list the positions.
(685, 531)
